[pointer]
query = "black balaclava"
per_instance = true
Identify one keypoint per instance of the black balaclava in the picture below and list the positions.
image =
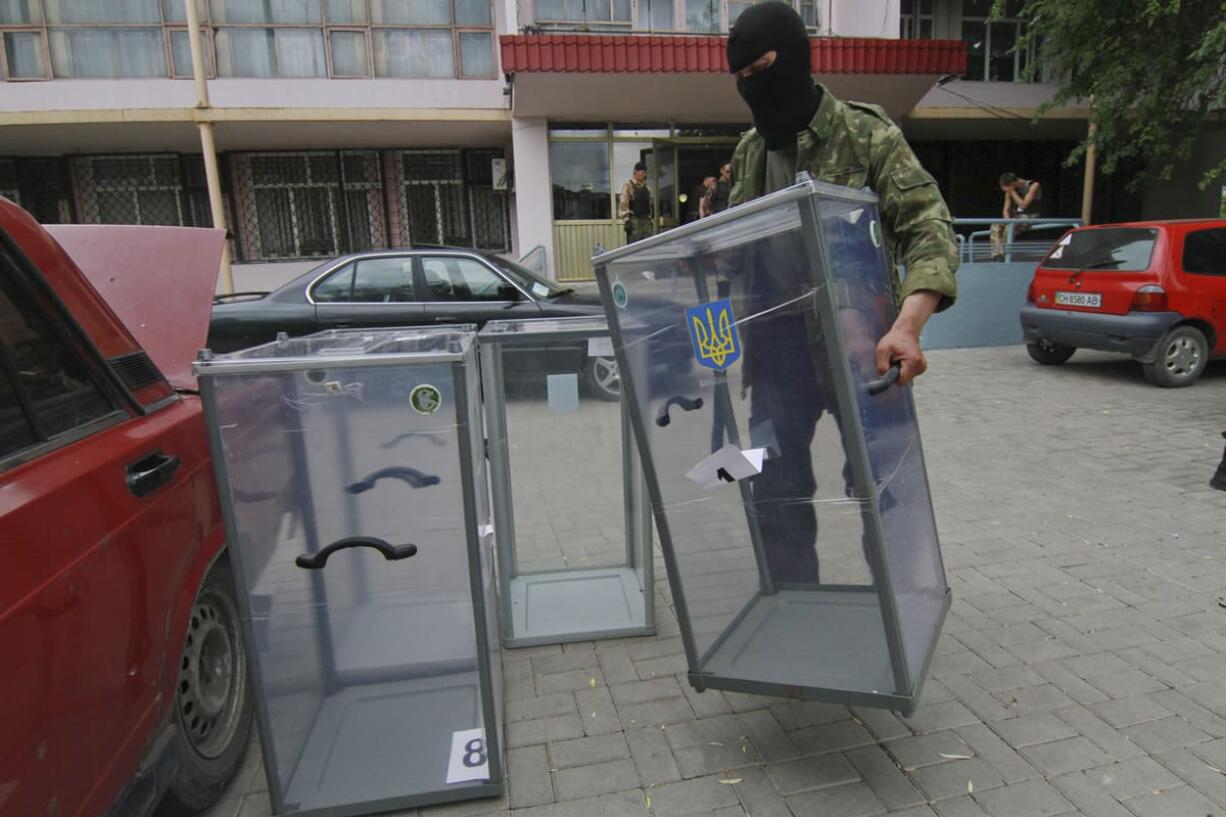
(783, 98)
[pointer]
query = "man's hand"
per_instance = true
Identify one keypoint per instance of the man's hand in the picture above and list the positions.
(901, 343)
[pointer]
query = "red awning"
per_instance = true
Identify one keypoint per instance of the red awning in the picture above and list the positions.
(649, 54)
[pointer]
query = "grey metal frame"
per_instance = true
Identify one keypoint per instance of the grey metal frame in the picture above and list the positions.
(905, 697)
(634, 490)
(208, 367)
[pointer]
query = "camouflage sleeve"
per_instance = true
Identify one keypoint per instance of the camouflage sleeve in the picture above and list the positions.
(623, 202)
(916, 220)
(737, 196)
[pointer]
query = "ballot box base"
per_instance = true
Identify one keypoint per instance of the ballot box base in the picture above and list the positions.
(371, 742)
(577, 605)
(829, 643)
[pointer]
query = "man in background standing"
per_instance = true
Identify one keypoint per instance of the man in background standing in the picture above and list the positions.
(1022, 197)
(718, 195)
(634, 205)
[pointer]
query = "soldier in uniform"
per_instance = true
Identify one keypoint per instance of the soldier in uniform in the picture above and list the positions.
(634, 205)
(800, 126)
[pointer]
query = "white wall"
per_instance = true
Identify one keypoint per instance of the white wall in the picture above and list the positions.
(859, 18)
(90, 94)
(533, 193)
(266, 277)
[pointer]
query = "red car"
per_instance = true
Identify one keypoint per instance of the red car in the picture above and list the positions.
(1155, 290)
(124, 685)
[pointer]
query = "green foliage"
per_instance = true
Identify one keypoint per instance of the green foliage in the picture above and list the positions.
(1152, 71)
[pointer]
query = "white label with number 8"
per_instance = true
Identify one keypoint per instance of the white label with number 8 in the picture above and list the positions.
(469, 759)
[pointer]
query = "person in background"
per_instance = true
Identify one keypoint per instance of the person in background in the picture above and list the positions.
(704, 203)
(1022, 197)
(721, 191)
(634, 205)
(1219, 479)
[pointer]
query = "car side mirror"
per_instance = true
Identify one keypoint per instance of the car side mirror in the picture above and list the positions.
(508, 292)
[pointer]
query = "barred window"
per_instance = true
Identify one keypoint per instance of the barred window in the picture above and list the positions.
(447, 197)
(40, 185)
(141, 189)
(310, 204)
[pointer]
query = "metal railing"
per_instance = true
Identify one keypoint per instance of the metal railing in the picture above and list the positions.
(1032, 250)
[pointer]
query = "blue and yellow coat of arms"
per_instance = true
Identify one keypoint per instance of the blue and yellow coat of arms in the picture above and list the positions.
(713, 334)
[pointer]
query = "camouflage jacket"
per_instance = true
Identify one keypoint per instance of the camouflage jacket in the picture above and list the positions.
(629, 190)
(856, 145)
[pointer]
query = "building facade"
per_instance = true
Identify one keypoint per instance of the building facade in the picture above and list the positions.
(507, 125)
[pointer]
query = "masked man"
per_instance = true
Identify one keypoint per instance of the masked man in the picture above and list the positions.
(800, 126)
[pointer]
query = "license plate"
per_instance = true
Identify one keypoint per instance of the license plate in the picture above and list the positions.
(1079, 299)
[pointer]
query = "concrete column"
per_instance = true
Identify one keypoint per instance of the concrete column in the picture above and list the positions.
(533, 191)
(207, 147)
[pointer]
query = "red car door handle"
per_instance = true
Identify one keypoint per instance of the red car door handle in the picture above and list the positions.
(149, 473)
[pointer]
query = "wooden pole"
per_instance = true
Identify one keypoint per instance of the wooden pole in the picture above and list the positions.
(1087, 185)
(212, 173)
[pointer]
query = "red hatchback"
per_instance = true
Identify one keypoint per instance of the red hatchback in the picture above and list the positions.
(1155, 290)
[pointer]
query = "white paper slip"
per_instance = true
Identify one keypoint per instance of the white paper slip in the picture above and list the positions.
(727, 465)
(600, 347)
(469, 758)
(562, 391)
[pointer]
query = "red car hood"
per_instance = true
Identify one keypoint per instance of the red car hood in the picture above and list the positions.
(159, 280)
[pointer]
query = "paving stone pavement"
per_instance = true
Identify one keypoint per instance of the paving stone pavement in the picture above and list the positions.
(1081, 669)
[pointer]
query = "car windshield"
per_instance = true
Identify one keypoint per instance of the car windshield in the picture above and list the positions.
(1125, 249)
(538, 285)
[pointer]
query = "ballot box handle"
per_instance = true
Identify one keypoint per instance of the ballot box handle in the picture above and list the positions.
(663, 418)
(876, 387)
(317, 561)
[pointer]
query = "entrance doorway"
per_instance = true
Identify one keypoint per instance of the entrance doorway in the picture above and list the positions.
(676, 169)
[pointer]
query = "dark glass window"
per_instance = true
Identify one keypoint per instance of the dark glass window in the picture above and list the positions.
(462, 279)
(53, 380)
(580, 173)
(1204, 252)
(336, 288)
(1124, 249)
(384, 280)
(15, 430)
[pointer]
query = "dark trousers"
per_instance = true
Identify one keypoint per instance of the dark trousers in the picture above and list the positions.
(786, 394)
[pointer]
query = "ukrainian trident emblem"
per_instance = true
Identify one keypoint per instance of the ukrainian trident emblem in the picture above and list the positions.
(713, 334)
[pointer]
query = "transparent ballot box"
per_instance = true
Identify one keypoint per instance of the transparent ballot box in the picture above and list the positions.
(786, 477)
(570, 507)
(351, 473)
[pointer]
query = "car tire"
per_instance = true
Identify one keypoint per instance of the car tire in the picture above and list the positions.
(603, 378)
(1179, 358)
(1049, 353)
(213, 700)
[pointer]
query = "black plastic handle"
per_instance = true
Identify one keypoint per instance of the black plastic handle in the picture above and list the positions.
(149, 473)
(876, 387)
(409, 476)
(318, 561)
(686, 403)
